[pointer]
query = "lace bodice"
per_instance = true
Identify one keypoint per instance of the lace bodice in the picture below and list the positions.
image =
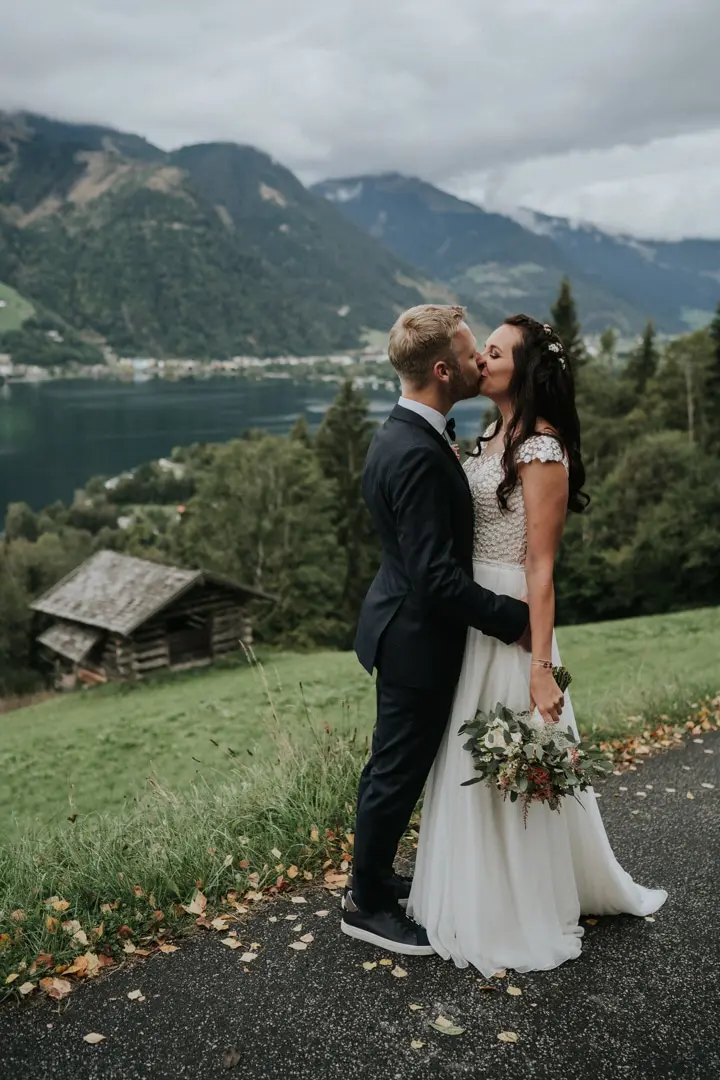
(501, 535)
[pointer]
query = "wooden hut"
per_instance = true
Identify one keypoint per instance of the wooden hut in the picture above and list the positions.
(116, 617)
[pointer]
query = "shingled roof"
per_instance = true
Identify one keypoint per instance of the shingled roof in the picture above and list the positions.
(75, 642)
(118, 593)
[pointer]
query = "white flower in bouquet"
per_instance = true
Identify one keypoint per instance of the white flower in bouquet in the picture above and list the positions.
(495, 737)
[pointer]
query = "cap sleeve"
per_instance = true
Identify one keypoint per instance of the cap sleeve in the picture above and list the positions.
(542, 448)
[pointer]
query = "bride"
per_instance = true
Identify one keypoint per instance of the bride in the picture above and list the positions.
(489, 891)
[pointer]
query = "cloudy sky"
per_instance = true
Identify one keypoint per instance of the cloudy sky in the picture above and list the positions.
(606, 110)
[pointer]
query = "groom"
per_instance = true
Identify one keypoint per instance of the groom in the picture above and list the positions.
(417, 611)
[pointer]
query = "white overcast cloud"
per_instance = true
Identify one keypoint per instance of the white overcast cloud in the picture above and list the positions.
(605, 110)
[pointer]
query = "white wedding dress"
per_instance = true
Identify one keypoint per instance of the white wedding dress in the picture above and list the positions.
(489, 891)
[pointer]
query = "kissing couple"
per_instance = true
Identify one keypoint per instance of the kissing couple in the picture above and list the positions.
(459, 617)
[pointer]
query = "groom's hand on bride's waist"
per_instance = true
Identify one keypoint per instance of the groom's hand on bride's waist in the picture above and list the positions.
(525, 639)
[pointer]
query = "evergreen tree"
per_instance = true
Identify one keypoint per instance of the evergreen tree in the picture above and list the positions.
(712, 384)
(643, 361)
(301, 432)
(565, 323)
(608, 347)
(341, 445)
(263, 515)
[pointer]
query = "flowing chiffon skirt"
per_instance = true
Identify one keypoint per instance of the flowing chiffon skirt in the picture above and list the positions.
(489, 891)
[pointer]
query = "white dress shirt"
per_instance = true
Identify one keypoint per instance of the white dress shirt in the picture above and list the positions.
(433, 417)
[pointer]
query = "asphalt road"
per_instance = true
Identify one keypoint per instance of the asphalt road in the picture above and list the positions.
(640, 1004)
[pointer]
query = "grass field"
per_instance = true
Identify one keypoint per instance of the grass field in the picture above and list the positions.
(16, 310)
(95, 750)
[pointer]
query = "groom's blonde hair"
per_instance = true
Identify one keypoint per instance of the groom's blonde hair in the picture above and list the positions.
(422, 336)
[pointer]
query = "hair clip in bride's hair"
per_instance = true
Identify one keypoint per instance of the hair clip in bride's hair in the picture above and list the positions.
(547, 329)
(553, 347)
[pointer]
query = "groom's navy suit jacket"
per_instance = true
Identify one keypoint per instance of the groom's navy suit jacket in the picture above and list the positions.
(415, 617)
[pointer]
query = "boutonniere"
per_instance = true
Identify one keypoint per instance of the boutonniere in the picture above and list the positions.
(456, 450)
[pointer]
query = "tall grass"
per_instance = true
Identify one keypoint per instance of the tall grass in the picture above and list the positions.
(218, 834)
(150, 858)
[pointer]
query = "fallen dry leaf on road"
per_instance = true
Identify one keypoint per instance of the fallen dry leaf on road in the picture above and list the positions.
(298, 946)
(197, 905)
(334, 880)
(689, 795)
(56, 988)
(297, 929)
(231, 942)
(26, 988)
(248, 957)
(508, 1036)
(93, 1038)
(136, 995)
(322, 914)
(496, 989)
(591, 922)
(417, 1044)
(298, 900)
(370, 964)
(414, 1008)
(307, 938)
(446, 1027)
(128, 947)
(163, 948)
(386, 963)
(399, 973)
(710, 787)
(219, 924)
(230, 1057)
(500, 973)
(514, 991)
(649, 918)
(291, 918)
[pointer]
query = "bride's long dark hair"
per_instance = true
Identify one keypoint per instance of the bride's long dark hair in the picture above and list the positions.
(542, 388)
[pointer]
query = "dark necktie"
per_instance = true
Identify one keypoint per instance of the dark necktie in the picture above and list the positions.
(450, 429)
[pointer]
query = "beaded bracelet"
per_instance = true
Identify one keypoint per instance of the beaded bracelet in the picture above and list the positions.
(543, 663)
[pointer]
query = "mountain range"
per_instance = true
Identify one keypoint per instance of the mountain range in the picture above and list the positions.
(212, 250)
(217, 249)
(517, 262)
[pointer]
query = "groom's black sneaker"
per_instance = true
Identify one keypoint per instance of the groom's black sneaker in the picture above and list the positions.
(400, 887)
(391, 930)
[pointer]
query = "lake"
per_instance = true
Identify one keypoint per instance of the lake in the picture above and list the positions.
(54, 436)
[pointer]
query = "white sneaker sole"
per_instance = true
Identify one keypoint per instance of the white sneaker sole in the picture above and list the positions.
(385, 943)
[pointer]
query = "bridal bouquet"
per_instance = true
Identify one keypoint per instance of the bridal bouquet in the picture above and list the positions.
(527, 759)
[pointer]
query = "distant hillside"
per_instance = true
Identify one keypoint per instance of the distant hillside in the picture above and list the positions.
(210, 251)
(505, 264)
(14, 309)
